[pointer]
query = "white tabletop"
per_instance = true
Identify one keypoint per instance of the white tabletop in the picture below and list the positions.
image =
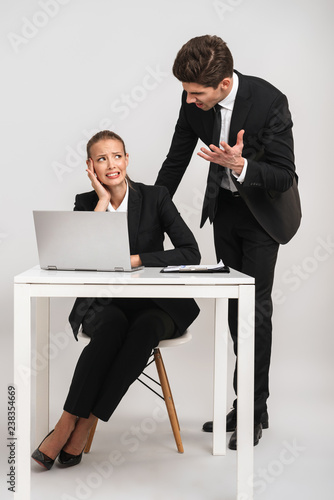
(146, 276)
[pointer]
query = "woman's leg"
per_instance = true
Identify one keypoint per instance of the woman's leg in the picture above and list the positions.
(147, 328)
(78, 438)
(52, 445)
(107, 325)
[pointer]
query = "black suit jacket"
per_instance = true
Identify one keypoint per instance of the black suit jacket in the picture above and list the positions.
(151, 214)
(270, 186)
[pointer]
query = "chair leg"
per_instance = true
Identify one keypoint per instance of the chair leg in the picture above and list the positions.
(168, 399)
(90, 437)
(171, 397)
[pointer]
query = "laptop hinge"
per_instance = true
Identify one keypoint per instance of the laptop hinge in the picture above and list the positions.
(52, 268)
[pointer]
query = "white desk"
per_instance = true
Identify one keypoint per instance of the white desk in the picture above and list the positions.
(148, 282)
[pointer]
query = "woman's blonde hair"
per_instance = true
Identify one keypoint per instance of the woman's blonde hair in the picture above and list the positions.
(102, 136)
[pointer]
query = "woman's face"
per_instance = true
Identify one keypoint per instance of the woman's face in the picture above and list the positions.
(109, 161)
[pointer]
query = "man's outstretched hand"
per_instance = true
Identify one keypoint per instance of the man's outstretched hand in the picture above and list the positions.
(229, 157)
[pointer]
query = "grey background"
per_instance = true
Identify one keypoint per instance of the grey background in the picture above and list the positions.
(71, 68)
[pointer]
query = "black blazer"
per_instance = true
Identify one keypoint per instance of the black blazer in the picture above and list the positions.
(151, 213)
(270, 186)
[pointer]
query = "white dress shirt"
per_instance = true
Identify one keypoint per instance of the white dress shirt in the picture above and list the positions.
(227, 106)
(123, 206)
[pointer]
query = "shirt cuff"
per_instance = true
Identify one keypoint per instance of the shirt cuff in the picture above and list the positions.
(240, 178)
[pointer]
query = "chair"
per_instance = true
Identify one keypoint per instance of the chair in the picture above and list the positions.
(163, 383)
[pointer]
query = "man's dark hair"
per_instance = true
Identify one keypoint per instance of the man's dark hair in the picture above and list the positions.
(205, 60)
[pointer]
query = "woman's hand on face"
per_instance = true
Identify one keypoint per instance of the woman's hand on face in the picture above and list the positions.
(100, 190)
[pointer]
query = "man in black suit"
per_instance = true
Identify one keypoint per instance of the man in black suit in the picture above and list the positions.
(251, 194)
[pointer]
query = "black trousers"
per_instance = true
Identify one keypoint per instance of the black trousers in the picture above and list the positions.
(243, 245)
(123, 333)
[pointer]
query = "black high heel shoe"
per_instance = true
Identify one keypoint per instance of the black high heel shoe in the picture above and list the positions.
(68, 460)
(41, 458)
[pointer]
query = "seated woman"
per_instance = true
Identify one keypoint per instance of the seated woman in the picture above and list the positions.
(123, 331)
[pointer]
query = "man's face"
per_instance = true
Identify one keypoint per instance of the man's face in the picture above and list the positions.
(206, 97)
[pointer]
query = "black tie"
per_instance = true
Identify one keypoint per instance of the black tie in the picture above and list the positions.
(215, 174)
(217, 125)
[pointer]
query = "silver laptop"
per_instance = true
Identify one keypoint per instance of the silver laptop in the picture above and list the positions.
(83, 241)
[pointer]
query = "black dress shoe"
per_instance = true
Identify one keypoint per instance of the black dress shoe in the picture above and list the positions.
(41, 458)
(68, 460)
(257, 436)
(231, 422)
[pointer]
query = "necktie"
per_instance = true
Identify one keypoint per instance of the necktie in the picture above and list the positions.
(215, 174)
(217, 125)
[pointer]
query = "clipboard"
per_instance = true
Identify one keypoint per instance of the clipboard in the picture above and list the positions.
(201, 268)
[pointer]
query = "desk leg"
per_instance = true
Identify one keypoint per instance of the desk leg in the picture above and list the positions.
(22, 381)
(220, 377)
(42, 368)
(245, 417)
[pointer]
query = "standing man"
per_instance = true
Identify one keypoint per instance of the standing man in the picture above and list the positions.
(251, 194)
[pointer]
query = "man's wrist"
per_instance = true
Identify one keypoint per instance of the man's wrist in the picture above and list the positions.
(241, 177)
